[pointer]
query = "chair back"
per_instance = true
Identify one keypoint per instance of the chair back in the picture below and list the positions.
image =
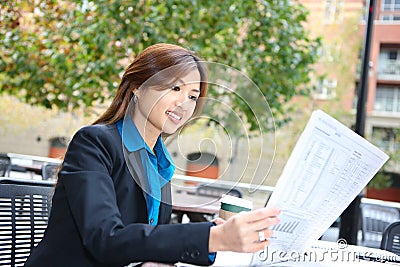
(391, 238)
(5, 165)
(375, 218)
(217, 191)
(24, 212)
(49, 171)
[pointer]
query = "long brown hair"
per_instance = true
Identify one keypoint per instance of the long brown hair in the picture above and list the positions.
(149, 62)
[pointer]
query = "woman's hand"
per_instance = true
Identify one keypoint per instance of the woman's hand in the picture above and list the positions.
(241, 233)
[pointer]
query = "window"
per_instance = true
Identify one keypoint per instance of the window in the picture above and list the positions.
(387, 99)
(326, 89)
(391, 5)
(389, 63)
(386, 138)
(387, 4)
(393, 55)
(330, 52)
(333, 10)
(390, 18)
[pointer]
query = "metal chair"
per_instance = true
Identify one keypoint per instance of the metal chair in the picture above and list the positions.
(391, 238)
(375, 218)
(24, 211)
(49, 171)
(5, 165)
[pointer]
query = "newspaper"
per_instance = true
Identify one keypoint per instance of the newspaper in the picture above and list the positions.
(327, 169)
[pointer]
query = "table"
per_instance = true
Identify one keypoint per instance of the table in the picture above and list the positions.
(30, 163)
(36, 168)
(196, 207)
(182, 201)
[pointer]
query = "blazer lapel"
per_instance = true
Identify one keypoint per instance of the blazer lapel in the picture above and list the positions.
(166, 204)
(136, 169)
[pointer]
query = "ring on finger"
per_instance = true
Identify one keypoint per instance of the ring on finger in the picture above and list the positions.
(261, 236)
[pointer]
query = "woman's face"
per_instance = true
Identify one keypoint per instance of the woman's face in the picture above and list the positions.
(167, 110)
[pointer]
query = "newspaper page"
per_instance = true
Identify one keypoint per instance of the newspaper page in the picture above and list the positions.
(327, 169)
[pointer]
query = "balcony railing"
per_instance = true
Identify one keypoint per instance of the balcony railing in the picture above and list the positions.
(387, 145)
(389, 70)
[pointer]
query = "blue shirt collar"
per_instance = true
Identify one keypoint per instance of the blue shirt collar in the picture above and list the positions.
(133, 141)
(131, 137)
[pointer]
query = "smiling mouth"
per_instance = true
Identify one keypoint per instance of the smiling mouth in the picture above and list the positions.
(173, 115)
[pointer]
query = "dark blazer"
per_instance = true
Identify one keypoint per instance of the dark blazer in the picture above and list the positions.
(99, 213)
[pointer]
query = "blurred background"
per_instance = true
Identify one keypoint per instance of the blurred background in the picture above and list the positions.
(61, 61)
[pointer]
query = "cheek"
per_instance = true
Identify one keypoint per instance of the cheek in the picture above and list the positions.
(190, 110)
(158, 107)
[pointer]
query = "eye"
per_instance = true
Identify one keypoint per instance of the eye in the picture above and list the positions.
(176, 88)
(193, 98)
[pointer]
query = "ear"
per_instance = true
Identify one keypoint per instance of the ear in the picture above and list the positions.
(136, 91)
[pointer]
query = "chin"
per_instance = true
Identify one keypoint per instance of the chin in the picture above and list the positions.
(169, 130)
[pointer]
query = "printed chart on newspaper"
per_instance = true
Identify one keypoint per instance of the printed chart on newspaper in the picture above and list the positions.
(327, 169)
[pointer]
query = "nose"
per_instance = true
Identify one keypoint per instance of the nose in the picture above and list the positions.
(181, 99)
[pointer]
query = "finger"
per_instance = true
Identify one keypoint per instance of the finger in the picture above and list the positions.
(261, 236)
(260, 246)
(263, 224)
(218, 221)
(259, 214)
(256, 246)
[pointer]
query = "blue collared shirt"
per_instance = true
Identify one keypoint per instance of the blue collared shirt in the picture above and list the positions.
(160, 169)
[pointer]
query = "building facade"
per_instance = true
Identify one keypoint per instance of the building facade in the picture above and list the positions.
(342, 25)
(383, 104)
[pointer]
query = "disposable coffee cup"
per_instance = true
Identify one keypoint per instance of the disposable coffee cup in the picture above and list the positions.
(231, 205)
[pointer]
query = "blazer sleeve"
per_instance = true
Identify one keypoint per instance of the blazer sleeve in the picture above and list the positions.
(86, 177)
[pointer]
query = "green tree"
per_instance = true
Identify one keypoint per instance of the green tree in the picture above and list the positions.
(68, 54)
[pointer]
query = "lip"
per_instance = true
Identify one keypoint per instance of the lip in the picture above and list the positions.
(174, 116)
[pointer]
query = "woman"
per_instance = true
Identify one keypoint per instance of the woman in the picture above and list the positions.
(101, 216)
